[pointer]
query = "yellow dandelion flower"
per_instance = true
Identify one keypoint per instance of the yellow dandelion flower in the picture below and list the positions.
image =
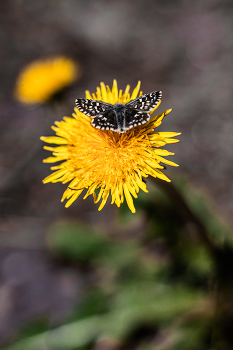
(41, 79)
(104, 161)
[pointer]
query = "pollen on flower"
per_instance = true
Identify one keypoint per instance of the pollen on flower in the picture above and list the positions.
(103, 162)
(41, 79)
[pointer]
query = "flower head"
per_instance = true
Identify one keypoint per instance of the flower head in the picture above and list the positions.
(104, 161)
(41, 79)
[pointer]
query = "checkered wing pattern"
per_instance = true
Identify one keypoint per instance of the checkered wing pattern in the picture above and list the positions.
(92, 108)
(106, 120)
(119, 117)
(145, 102)
(134, 118)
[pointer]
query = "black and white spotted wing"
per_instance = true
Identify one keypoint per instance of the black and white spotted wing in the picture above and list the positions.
(120, 117)
(137, 111)
(145, 102)
(92, 107)
(107, 120)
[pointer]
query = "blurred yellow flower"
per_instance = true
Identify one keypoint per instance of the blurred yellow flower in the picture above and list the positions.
(41, 79)
(107, 161)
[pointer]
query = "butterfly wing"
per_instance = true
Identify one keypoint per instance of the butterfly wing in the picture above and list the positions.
(145, 102)
(91, 108)
(106, 120)
(134, 118)
(106, 116)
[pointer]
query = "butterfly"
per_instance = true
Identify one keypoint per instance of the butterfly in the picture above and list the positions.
(119, 117)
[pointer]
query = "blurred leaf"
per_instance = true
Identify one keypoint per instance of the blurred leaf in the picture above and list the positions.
(135, 305)
(200, 262)
(202, 207)
(93, 303)
(36, 326)
(149, 302)
(119, 255)
(70, 336)
(75, 241)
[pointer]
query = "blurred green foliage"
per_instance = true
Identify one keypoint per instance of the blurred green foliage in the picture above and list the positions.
(153, 291)
(75, 242)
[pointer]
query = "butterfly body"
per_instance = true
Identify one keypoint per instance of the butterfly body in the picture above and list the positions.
(119, 117)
